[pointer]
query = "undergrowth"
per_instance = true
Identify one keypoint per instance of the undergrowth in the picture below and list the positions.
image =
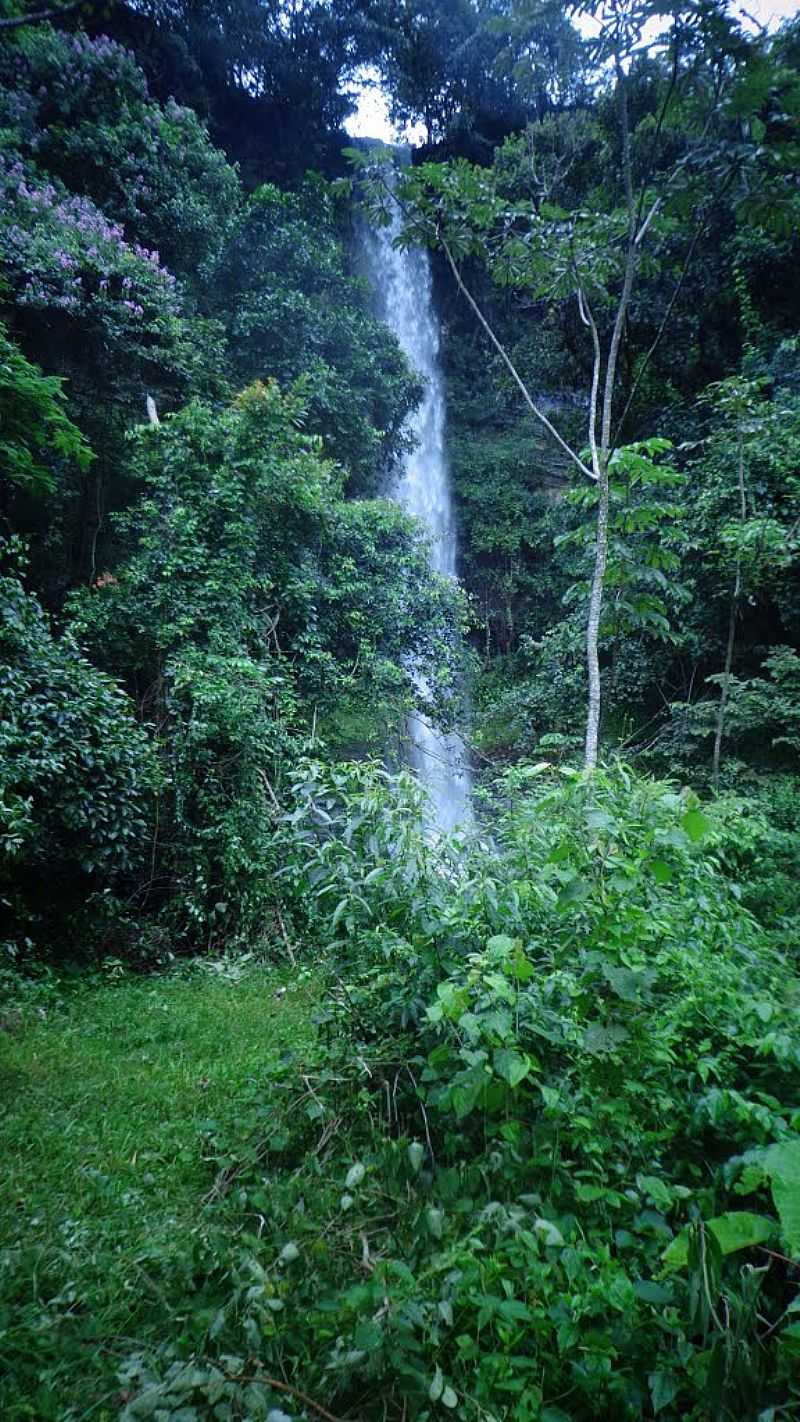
(540, 1161)
(111, 1091)
(542, 1164)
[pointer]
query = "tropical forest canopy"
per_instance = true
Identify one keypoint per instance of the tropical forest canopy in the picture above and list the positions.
(539, 1158)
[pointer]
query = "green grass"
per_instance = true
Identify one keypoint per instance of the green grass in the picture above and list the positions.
(106, 1246)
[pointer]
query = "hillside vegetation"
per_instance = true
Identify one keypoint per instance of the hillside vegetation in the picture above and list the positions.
(310, 1111)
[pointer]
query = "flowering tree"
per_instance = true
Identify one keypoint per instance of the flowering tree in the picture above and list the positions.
(73, 270)
(80, 109)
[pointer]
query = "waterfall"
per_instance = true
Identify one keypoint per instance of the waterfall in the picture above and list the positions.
(402, 280)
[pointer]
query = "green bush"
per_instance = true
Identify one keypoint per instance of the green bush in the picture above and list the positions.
(546, 1168)
(76, 771)
(252, 597)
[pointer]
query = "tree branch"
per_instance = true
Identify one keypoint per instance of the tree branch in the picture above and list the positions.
(36, 17)
(698, 233)
(506, 359)
(264, 1381)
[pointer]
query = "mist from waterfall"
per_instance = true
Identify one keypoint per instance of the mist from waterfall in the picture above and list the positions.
(402, 280)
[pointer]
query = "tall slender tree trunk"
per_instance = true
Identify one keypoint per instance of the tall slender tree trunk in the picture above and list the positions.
(600, 406)
(726, 678)
(724, 691)
(593, 621)
(601, 449)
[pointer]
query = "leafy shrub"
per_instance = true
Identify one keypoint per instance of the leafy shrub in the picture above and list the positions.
(538, 1170)
(252, 596)
(76, 771)
(762, 718)
(71, 267)
(760, 847)
(36, 431)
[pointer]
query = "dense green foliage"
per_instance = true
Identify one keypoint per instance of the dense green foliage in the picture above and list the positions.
(293, 310)
(213, 565)
(535, 1155)
(253, 594)
(542, 1161)
(76, 772)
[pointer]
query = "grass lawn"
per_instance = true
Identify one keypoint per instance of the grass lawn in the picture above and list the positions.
(106, 1246)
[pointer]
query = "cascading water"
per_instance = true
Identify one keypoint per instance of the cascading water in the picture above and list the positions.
(402, 279)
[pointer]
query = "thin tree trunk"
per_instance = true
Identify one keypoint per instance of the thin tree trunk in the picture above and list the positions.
(732, 616)
(600, 447)
(602, 454)
(593, 622)
(726, 678)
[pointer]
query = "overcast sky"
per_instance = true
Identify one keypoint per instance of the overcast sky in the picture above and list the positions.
(371, 119)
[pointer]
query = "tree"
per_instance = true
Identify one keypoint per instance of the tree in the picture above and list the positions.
(473, 71)
(745, 514)
(77, 773)
(80, 110)
(548, 245)
(291, 308)
(251, 602)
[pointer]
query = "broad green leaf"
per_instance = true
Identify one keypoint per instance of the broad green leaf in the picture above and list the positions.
(435, 1222)
(661, 872)
(550, 1233)
(695, 824)
(789, 1339)
(519, 966)
(589, 1193)
(782, 1164)
(416, 1155)
(500, 943)
(338, 912)
(663, 1389)
(575, 892)
(651, 1292)
(464, 1094)
(738, 1229)
(561, 852)
(656, 1189)
(511, 1066)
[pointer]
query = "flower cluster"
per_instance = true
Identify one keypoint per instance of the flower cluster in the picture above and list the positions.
(61, 251)
(79, 107)
(64, 68)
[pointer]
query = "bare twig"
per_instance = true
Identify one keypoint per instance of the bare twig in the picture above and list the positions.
(514, 373)
(265, 1381)
(35, 17)
(284, 935)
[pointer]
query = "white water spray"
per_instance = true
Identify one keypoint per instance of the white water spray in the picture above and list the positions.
(403, 282)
